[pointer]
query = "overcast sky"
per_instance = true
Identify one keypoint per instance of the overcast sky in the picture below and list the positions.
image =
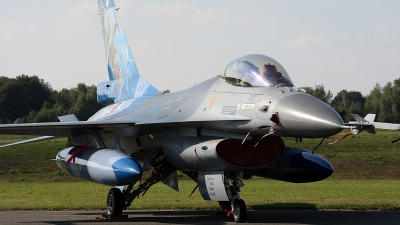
(349, 45)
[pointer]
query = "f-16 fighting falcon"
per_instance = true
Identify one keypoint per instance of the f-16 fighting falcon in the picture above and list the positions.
(219, 132)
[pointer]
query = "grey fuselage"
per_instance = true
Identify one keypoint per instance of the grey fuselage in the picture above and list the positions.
(217, 106)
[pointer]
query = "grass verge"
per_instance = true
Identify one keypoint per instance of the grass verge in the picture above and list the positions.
(258, 194)
(366, 177)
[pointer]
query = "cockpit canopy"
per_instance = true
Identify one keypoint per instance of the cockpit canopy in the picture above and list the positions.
(256, 71)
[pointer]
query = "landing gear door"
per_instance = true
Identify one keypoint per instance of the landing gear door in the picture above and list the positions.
(212, 185)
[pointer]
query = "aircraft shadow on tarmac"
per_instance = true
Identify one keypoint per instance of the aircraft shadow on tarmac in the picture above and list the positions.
(314, 217)
(284, 206)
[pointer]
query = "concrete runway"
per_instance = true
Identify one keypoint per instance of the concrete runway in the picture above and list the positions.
(155, 217)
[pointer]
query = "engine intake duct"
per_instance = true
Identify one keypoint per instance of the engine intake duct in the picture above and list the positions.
(247, 155)
(209, 154)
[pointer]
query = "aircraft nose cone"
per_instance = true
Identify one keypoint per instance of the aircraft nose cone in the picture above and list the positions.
(302, 115)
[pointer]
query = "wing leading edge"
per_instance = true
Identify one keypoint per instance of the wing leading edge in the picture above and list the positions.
(60, 128)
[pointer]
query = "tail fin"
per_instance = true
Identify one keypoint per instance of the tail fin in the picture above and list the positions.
(125, 81)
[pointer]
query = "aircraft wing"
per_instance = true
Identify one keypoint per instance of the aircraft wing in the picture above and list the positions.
(122, 127)
(60, 128)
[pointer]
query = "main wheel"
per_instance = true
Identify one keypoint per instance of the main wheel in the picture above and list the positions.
(115, 202)
(239, 211)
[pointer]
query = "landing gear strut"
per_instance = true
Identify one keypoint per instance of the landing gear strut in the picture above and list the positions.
(225, 206)
(236, 206)
(117, 201)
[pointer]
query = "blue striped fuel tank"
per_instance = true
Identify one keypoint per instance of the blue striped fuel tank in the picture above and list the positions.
(103, 166)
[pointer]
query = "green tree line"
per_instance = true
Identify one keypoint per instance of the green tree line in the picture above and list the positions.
(382, 101)
(33, 100)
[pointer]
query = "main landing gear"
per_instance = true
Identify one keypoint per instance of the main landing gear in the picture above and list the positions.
(118, 200)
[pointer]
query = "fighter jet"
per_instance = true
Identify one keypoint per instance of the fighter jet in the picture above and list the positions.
(367, 123)
(219, 132)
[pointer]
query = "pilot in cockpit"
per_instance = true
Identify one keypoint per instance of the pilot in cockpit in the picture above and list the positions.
(256, 71)
(272, 74)
(249, 74)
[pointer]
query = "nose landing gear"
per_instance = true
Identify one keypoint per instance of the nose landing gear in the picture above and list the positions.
(235, 206)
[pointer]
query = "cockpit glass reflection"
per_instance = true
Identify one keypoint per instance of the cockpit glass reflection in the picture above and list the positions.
(256, 71)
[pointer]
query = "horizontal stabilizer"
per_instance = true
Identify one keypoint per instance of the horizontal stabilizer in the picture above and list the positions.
(370, 117)
(358, 118)
(366, 119)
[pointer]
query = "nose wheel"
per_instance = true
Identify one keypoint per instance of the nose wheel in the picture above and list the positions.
(235, 206)
(239, 211)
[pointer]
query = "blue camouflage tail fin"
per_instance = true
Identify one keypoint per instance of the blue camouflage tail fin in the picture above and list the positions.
(125, 81)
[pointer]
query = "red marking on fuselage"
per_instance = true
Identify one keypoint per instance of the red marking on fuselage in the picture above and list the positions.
(212, 101)
(115, 107)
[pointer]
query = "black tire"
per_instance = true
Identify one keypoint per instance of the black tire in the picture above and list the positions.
(115, 202)
(239, 211)
(225, 206)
